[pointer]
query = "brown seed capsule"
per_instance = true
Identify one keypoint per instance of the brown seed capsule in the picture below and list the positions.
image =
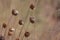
(10, 33)
(32, 6)
(27, 34)
(4, 25)
(21, 22)
(2, 38)
(15, 12)
(32, 19)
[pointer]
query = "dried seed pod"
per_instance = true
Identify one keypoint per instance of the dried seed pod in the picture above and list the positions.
(10, 33)
(27, 34)
(32, 6)
(15, 12)
(4, 25)
(21, 22)
(32, 19)
(2, 38)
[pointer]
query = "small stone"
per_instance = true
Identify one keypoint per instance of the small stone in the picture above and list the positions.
(27, 34)
(15, 12)
(21, 22)
(32, 19)
(11, 29)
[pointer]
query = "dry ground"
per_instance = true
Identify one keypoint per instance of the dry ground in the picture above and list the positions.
(47, 23)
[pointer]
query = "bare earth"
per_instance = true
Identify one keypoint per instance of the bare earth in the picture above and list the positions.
(45, 12)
